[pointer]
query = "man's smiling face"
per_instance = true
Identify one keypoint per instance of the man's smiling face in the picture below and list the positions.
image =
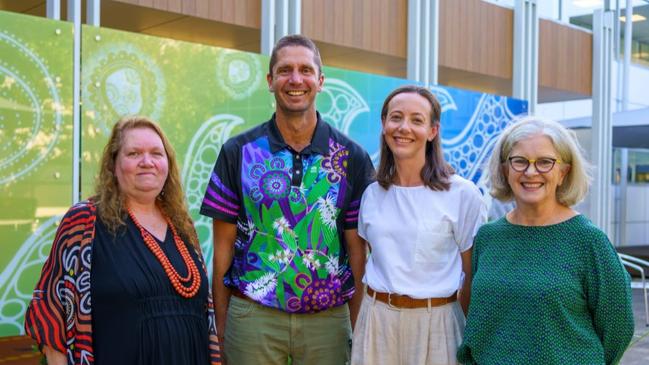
(295, 80)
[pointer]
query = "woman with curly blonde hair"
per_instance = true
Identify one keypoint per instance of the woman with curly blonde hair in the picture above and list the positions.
(125, 282)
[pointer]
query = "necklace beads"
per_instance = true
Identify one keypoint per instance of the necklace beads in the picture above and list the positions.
(186, 286)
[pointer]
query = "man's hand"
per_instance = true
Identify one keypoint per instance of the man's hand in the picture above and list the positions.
(357, 250)
(225, 235)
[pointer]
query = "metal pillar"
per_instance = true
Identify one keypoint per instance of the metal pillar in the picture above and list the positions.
(279, 18)
(526, 52)
(93, 12)
(423, 41)
(53, 9)
(74, 16)
(602, 129)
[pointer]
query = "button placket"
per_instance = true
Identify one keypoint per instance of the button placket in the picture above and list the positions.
(296, 179)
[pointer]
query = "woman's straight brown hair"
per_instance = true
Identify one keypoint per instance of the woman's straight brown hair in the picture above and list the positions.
(436, 172)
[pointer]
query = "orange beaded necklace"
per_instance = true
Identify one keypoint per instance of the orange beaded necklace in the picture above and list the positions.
(186, 286)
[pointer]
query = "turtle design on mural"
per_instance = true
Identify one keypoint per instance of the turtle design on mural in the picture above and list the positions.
(120, 79)
(238, 74)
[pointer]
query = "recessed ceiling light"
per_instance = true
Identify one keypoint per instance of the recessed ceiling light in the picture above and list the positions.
(634, 18)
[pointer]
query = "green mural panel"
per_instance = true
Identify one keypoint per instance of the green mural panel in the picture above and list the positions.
(200, 95)
(35, 152)
(203, 95)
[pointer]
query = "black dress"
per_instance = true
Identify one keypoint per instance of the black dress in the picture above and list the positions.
(137, 316)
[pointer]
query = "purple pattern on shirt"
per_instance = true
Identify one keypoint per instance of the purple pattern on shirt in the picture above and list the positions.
(290, 254)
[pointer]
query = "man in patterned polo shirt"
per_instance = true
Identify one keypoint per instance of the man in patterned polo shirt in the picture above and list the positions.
(284, 199)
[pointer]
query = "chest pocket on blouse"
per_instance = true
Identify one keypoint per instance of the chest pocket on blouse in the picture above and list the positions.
(435, 242)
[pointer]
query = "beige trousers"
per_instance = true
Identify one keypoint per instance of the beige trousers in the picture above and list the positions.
(385, 335)
(258, 335)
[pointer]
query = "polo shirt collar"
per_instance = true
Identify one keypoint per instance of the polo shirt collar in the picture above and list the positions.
(319, 140)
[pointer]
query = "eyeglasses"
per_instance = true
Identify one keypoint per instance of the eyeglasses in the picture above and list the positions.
(542, 165)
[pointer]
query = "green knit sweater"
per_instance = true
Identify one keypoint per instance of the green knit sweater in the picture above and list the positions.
(546, 295)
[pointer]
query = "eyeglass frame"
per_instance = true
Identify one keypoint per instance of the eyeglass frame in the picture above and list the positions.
(533, 161)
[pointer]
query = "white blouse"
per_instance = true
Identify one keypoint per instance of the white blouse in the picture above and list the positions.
(416, 236)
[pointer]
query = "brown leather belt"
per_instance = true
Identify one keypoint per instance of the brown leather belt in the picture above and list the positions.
(404, 301)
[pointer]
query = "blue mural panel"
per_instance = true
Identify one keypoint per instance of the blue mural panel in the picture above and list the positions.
(470, 123)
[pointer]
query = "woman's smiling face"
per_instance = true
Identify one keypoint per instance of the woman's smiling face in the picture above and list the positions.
(141, 165)
(531, 187)
(407, 126)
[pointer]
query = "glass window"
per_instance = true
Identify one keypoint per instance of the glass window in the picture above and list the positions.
(638, 166)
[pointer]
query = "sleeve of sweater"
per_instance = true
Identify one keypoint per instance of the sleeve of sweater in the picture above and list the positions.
(609, 297)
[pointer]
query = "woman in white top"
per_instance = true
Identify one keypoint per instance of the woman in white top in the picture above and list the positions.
(419, 219)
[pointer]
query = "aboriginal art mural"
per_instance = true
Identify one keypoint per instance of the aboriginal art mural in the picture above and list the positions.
(35, 152)
(200, 95)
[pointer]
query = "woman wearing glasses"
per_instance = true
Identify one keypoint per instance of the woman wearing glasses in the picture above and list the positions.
(548, 287)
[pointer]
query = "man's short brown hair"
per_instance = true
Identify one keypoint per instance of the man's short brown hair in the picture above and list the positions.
(295, 40)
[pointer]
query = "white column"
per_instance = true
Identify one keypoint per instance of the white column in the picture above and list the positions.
(433, 59)
(526, 52)
(414, 40)
(616, 31)
(423, 41)
(295, 17)
(74, 16)
(267, 26)
(602, 129)
(279, 18)
(93, 12)
(53, 9)
(628, 37)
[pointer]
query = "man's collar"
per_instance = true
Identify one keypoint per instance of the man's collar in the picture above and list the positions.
(319, 140)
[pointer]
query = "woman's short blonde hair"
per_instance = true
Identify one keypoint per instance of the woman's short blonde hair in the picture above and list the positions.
(576, 183)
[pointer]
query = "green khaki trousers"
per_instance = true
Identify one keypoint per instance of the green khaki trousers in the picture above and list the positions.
(256, 335)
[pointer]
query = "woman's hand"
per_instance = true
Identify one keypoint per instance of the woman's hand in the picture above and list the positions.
(54, 357)
(464, 296)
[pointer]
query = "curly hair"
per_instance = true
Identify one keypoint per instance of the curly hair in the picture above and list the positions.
(110, 200)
